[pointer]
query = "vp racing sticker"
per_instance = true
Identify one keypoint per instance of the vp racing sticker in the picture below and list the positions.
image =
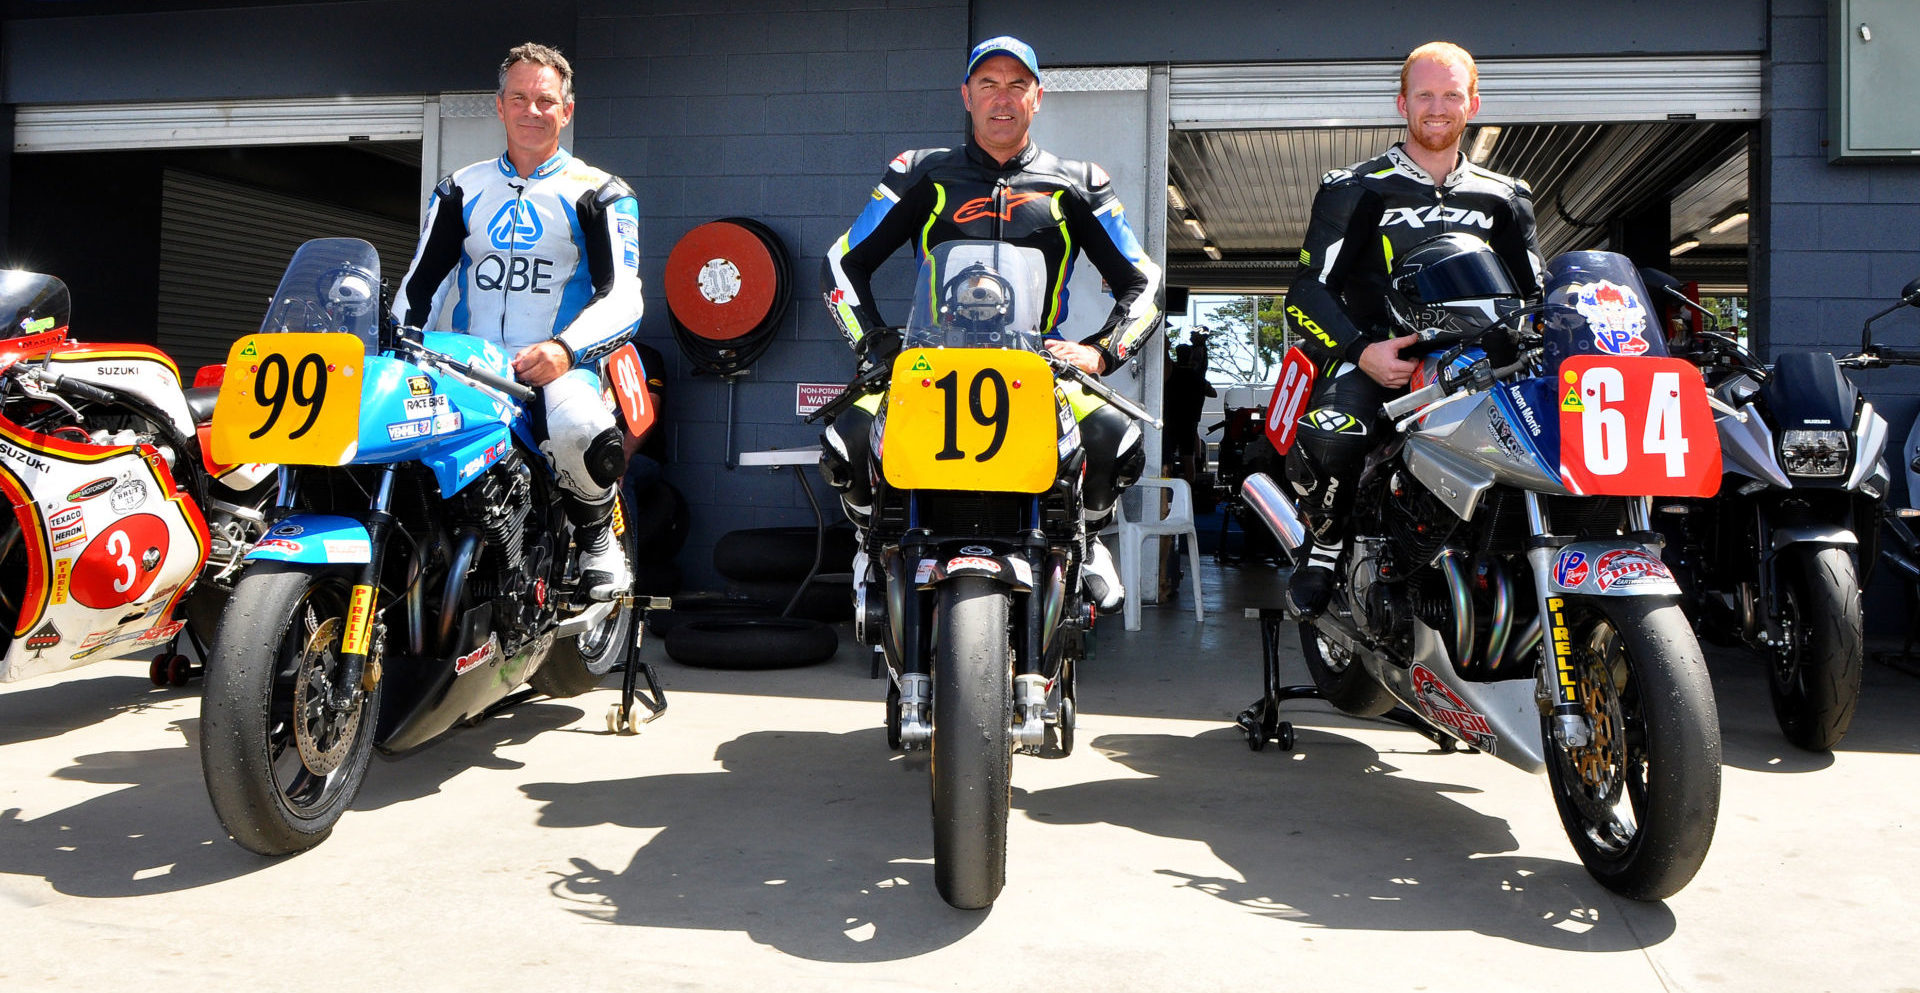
(1615, 315)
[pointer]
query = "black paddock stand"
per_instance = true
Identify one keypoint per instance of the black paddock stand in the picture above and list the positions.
(1261, 722)
(171, 668)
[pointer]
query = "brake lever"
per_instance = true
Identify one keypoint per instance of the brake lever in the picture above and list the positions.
(1099, 389)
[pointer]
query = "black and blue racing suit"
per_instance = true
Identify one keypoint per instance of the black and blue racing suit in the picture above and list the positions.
(1034, 200)
(554, 255)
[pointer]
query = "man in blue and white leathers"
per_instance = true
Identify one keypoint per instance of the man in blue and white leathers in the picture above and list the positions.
(543, 252)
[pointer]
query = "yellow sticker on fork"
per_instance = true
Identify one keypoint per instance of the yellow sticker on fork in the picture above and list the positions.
(359, 621)
(1560, 646)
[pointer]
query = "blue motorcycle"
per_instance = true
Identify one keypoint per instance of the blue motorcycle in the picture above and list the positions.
(420, 568)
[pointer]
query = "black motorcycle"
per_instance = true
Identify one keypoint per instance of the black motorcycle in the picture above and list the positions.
(1777, 559)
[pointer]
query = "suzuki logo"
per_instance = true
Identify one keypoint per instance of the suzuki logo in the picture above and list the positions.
(517, 225)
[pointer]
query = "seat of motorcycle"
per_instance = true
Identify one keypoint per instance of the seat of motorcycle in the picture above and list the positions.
(200, 402)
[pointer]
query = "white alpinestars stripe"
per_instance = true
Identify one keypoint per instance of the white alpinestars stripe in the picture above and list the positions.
(1324, 556)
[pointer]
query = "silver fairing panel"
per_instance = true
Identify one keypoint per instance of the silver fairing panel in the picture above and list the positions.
(1461, 450)
(1746, 446)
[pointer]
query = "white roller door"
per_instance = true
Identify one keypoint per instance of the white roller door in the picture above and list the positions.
(1514, 91)
(204, 123)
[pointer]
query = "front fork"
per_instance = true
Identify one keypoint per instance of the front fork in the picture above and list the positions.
(1558, 687)
(365, 634)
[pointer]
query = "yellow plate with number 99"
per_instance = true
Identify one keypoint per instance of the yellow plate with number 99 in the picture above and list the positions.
(290, 398)
(971, 419)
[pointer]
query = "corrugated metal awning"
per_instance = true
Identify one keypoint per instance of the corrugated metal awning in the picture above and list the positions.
(202, 123)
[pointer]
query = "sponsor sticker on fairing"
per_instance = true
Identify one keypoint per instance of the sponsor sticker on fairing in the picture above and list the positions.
(426, 406)
(67, 527)
(1571, 568)
(347, 549)
(1626, 567)
(973, 562)
(1615, 316)
(410, 429)
(1445, 708)
(280, 545)
(91, 490)
(476, 658)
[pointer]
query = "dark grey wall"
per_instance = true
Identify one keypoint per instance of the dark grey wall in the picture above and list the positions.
(312, 49)
(769, 110)
(1126, 32)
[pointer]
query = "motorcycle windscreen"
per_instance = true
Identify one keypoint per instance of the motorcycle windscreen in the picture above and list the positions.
(980, 419)
(979, 294)
(32, 303)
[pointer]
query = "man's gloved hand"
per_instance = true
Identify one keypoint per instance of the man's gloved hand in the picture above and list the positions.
(879, 347)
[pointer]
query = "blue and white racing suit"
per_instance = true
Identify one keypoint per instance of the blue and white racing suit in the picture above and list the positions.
(554, 256)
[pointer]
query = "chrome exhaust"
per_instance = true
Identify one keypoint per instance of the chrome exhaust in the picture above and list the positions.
(1272, 505)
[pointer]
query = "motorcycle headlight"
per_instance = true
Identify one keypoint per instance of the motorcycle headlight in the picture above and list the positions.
(1814, 453)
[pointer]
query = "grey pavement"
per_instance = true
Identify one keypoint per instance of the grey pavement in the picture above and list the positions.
(761, 835)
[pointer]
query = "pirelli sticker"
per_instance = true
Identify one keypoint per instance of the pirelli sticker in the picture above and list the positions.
(359, 621)
(62, 580)
(1561, 644)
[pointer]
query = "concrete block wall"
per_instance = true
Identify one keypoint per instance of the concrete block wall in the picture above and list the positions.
(785, 111)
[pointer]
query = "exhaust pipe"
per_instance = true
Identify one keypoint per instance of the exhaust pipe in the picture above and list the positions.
(1272, 505)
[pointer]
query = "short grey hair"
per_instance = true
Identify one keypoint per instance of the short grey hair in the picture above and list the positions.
(534, 53)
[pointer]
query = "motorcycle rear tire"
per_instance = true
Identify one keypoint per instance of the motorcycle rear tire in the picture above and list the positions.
(265, 794)
(1656, 745)
(578, 664)
(1816, 687)
(1350, 688)
(972, 741)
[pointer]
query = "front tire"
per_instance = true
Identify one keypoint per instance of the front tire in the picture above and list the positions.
(972, 741)
(1815, 679)
(282, 762)
(1640, 800)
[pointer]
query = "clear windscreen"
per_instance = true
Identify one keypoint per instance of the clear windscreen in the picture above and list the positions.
(978, 294)
(32, 302)
(332, 285)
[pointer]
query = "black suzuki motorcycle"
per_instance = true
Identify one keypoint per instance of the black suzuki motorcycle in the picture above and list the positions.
(1777, 559)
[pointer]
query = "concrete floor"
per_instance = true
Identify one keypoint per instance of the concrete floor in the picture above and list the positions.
(762, 836)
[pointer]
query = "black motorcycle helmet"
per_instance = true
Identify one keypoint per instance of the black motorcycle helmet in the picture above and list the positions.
(1447, 279)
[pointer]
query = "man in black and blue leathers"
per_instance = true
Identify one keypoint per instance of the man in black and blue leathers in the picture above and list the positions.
(999, 185)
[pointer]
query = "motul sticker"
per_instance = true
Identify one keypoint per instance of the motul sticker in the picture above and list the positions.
(359, 621)
(973, 562)
(62, 579)
(1625, 567)
(47, 637)
(91, 490)
(1438, 701)
(476, 658)
(1571, 568)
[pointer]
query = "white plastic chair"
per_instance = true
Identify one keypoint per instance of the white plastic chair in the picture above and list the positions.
(1178, 520)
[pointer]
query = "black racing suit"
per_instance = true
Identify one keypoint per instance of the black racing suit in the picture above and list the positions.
(1364, 217)
(1060, 207)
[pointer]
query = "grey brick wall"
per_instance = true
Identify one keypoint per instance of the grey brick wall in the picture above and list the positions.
(780, 110)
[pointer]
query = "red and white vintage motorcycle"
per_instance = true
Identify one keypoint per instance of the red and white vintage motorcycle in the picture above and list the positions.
(121, 528)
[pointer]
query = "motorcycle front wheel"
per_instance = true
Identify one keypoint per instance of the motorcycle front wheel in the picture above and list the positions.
(1640, 800)
(972, 741)
(1815, 677)
(283, 747)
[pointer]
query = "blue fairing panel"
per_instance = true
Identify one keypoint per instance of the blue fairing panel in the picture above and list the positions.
(315, 539)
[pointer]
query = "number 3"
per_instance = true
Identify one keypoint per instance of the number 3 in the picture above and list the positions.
(121, 548)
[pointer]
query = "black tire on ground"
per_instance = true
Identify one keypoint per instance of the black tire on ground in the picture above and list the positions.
(267, 796)
(1642, 816)
(1815, 684)
(784, 554)
(1344, 683)
(707, 607)
(972, 741)
(829, 598)
(751, 643)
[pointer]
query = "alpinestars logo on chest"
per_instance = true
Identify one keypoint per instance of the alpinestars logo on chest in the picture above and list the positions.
(1420, 217)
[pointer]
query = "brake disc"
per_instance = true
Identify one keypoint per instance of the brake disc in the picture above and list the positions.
(323, 734)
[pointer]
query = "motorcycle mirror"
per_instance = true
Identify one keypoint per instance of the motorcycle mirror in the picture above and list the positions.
(1910, 294)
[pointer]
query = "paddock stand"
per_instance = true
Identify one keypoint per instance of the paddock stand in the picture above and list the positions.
(620, 715)
(1261, 722)
(171, 668)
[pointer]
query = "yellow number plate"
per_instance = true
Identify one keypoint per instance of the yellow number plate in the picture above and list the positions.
(971, 419)
(290, 398)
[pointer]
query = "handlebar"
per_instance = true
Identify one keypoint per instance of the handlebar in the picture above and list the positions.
(878, 377)
(406, 339)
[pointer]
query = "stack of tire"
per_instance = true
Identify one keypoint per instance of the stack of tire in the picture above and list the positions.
(751, 626)
(728, 283)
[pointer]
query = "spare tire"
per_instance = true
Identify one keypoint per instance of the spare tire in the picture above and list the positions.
(708, 607)
(751, 643)
(828, 598)
(784, 554)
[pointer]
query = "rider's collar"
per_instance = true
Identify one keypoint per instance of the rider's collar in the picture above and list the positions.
(1405, 163)
(1020, 159)
(559, 161)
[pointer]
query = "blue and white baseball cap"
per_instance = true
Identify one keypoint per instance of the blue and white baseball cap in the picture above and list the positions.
(1004, 45)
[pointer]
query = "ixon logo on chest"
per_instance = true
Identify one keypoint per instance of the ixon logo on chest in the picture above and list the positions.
(516, 226)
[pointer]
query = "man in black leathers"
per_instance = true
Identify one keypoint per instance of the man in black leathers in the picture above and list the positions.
(1000, 185)
(1364, 217)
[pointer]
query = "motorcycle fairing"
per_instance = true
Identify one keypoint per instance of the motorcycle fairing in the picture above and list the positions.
(85, 512)
(1746, 446)
(970, 559)
(315, 539)
(139, 370)
(411, 413)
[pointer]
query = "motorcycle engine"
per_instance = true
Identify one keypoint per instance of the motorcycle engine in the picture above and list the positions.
(516, 567)
(1380, 605)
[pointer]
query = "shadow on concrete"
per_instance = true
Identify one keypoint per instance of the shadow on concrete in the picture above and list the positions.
(423, 771)
(1326, 836)
(158, 835)
(56, 708)
(798, 843)
(1750, 736)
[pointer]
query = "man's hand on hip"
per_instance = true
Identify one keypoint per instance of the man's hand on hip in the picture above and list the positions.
(1382, 361)
(541, 363)
(1085, 357)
